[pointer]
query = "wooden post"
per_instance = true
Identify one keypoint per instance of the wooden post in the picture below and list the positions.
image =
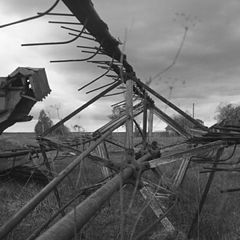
(150, 125)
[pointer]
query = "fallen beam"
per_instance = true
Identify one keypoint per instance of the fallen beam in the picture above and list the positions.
(180, 155)
(65, 228)
(23, 212)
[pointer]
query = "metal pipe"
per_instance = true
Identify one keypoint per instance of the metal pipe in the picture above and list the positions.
(65, 228)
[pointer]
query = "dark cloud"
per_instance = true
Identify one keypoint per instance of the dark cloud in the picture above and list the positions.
(206, 71)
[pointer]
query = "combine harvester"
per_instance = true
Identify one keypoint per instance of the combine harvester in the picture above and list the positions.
(139, 100)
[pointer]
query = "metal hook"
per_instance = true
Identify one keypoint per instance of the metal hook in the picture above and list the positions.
(33, 17)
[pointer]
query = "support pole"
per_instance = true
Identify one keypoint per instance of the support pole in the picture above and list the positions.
(129, 123)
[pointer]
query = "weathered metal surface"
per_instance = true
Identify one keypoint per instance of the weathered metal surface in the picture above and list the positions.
(37, 78)
(84, 11)
(18, 94)
(77, 218)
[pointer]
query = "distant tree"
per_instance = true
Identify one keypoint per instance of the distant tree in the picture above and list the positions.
(183, 122)
(228, 114)
(61, 130)
(44, 123)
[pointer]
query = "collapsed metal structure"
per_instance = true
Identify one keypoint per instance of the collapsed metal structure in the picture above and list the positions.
(138, 100)
(20, 90)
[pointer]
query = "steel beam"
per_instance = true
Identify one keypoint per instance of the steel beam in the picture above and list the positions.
(189, 118)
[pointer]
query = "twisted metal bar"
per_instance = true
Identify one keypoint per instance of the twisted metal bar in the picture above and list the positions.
(58, 14)
(33, 17)
(96, 89)
(77, 60)
(57, 43)
(61, 22)
(105, 73)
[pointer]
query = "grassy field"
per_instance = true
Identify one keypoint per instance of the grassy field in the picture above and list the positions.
(219, 220)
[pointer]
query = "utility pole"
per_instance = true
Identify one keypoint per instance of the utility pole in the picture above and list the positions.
(193, 110)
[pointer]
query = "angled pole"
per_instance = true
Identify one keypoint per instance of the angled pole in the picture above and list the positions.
(171, 122)
(78, 110)
(189, 118)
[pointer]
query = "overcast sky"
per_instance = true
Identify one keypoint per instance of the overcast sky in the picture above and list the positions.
(206, 71)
